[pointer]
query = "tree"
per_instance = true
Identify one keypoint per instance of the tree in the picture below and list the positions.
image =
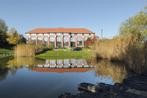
(14, 37)
(136, 26)
(22, 40)
(3, 36)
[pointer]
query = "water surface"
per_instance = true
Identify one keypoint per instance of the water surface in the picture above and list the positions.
(32, 78)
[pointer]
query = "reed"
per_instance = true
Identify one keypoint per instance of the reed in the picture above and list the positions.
(24, 50)
(124, 49)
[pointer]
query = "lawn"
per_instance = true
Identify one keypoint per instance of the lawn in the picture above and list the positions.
(65, 53)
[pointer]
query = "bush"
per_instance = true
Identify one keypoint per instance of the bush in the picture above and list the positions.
(77, 49)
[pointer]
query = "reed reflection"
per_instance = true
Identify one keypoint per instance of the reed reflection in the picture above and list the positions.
(116, 71)
(23, 61)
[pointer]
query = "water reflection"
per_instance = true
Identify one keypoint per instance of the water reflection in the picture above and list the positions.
(116, 71)
(55, 76)
(23, 61)
(3, 73)
(11, 65)
(43, 78)
(63, 65)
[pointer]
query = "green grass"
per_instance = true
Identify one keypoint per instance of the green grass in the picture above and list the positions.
(5, 52)
(65, 53)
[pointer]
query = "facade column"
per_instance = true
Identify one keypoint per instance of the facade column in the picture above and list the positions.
(43, 41)
(48, 41)
(69, 42)
(55, 43)
(36, 39)
(29, 39)
(62, 41)
(76, 41)
(83, 40)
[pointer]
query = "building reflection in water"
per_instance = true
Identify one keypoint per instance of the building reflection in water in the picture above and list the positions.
(63, 65)
(116, 71)
(38, 65)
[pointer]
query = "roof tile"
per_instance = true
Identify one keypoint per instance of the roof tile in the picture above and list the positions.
(61, 30)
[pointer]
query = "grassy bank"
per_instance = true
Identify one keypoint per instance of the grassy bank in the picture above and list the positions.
(65, 53)
(5, 52)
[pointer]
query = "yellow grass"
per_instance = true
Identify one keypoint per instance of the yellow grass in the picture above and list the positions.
(124, 49)
(24, 50)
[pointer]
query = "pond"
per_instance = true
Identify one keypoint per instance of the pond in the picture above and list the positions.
(37, 78)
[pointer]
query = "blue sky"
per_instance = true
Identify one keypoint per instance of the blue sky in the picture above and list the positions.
(95, 15)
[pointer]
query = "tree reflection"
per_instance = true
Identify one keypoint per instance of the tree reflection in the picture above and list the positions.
(3, 73)
(3, 69)
(11, 64)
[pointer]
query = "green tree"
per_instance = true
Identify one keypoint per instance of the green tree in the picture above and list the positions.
(3, 35)
(14, 37)
(136, 26)
(22, 40)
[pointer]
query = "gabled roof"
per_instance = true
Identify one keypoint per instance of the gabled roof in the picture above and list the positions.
(61, 30)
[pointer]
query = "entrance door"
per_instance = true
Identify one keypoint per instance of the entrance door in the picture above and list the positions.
(73, 44)
(59, 45)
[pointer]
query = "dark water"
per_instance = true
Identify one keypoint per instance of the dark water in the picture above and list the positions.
(31, 78)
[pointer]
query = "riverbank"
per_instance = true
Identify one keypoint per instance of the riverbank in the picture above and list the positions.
(5, 52)
(65, 53)
(132, 87)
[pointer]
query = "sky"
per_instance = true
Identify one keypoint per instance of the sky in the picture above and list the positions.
(95, 15)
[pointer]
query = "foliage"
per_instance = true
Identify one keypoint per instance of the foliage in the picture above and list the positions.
(14, 37)
(3, 36)
(9, 38)
(136, 25)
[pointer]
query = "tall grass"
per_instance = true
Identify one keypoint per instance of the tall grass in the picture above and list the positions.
(24, 50)
(125, 49)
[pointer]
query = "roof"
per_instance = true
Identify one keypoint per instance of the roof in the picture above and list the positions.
(62, 30)
(61, 70)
